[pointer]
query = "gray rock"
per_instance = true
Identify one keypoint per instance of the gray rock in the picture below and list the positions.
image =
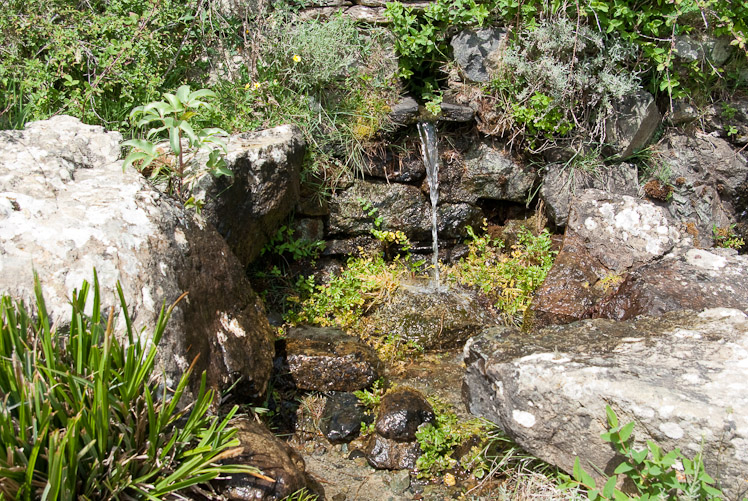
(385, 454)
(325, 359)
(248, 209)
(401, 207)
(561, 183)
(606, 236)
(431, 319)
(716, 50)
(451, 112)
(282, 466)
(452, 219)
(691, 280)
(681, 378)
(66, 207)
(472, 50)
(401, 412)
(634, 125)
(405, 112)
(396, 167)
(622, 232)
(488, 172)
(706, 174)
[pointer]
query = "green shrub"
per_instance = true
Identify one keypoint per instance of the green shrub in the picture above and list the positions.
(557, 76)
(94, 60)
(84, 417)
(438, 441)
(422, 37)
(509, 279)
(653, 473)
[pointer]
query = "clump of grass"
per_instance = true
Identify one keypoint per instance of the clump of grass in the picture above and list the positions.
(84, 417)
(509, 279)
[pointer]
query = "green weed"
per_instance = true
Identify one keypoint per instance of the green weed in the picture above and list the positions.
(508, 279)
(653, 473)
(85, 417)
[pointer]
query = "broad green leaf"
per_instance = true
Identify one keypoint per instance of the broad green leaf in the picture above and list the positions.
(625, 432)
(612, 418)
(609, 488)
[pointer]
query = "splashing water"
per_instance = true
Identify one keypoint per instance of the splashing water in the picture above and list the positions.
(430, 152)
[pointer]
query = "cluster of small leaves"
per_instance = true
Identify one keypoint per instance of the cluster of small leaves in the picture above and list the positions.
(94, 60)
(653, 473)
(284, 243)
(727, 238)
(421, 37)
(439, 439)
(509, 279)
(172, 118)
(342, 301)
(557, 76)
(84, 417)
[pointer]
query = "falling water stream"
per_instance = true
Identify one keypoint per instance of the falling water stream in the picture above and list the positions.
(430, 152)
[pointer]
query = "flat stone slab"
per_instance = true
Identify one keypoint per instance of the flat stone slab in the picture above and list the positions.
(683, 378)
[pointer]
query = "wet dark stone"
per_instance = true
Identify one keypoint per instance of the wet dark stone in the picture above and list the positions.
(325, 359)
(385, 454)
(276, 460)
(401, 412)
(342, 418)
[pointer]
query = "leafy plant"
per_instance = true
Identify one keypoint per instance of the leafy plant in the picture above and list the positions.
(94, 60)
(372, 398)
(560, 78)
(84, 417)
(421, 38)
(172, 116)
(509, 279)
(439, 439)
(653, 473)
(727, 238)
(284, 242)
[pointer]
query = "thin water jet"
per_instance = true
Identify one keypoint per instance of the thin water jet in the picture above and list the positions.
(430, 153)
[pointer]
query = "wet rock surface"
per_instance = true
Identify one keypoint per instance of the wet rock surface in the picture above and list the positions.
(432, 319)
(66, 207)
(283, 467)
(681, 377)
(488, 172)
(325, 359)
(692, 280)
(342, 418)
(263, 192)
(401, 412)
(402, 207)
(387, 454)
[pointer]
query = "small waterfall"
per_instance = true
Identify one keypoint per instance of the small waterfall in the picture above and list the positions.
(430, 152)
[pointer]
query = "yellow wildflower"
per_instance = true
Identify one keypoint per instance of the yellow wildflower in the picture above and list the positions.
(296, 58)
(246, 87)
(256, 85)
